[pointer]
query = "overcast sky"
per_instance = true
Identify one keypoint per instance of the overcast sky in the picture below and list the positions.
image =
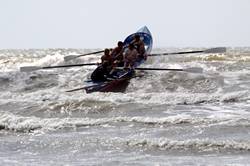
(101, 23)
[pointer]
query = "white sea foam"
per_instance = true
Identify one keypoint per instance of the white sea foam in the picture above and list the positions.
(19, 123)
(190, 144)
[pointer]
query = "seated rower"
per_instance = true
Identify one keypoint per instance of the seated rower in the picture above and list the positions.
(102, 72)
(117, 54)
(130, 56)
(140, 47)
(107, 58)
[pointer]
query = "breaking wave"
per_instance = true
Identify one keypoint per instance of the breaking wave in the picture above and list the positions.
(17, 123)
(199, 145)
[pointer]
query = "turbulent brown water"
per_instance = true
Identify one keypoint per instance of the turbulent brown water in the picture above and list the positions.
(163, 118)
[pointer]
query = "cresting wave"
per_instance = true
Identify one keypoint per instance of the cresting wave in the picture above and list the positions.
(17, 123)
(57, 97)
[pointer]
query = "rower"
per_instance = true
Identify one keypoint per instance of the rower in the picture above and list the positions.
(117, 54)
(107, 59)
(102, 72)
(130, 56)
(117, 51)
(140, 47)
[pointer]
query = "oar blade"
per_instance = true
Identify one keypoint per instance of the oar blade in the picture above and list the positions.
(216, 50)
(70, 57)
(29, 68)
(194, 70)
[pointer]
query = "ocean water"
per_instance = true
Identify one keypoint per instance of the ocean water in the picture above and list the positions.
(163, 118)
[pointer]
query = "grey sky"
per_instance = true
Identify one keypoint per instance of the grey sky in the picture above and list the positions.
(101, 23)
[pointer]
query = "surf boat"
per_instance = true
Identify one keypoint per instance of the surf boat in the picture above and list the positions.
(121, 81)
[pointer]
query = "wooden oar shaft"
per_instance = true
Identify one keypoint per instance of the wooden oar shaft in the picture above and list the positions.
(71, 57)
(174, 53)
(187, 52)
(34, 68)
(77, 89)
(190, 70)
(74, 65)
(211, 50)
(141, 68)
(86, 87)
(97, 52)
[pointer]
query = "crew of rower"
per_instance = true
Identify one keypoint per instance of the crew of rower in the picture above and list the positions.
(120, 57)
(135, 52)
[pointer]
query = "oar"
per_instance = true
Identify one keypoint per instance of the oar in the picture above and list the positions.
(87, 87)
(77, 89)
(82, 88)
(190, 70)
(34, 68)
(70, 57)
(211, 50)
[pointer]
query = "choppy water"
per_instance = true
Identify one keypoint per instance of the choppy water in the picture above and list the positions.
(164, 118)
